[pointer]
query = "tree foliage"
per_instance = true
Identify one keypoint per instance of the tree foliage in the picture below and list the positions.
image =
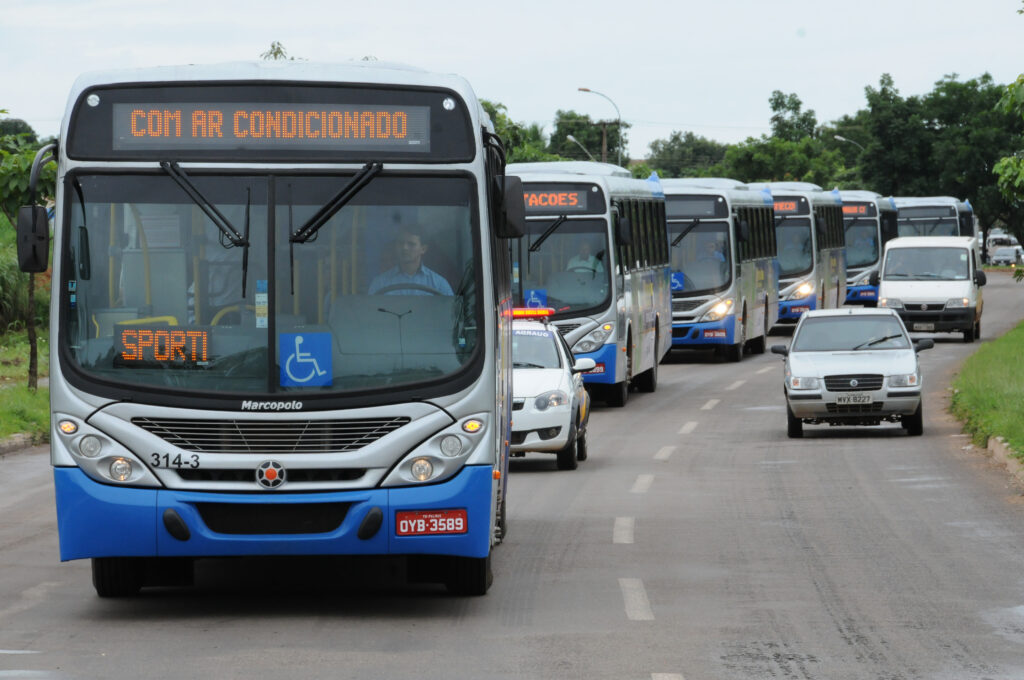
(591, 135)
(788, 122)
(685, 155)
(523, 143)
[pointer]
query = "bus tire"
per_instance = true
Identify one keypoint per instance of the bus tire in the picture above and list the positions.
(469, 576)
(794, 426)
(618, 394)
(734, 353)
(118, 576)
(648, 380)
(567, 455)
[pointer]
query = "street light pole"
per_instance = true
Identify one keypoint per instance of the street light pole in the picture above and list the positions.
(577, 143)
(844, 139)
(618, 119)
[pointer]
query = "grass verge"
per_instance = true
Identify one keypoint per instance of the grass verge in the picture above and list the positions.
(988, 394)
(14, 356)
(25, 411)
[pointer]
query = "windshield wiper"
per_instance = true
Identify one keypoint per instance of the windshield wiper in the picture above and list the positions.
(308, 231)
(559, 221)
(227, 230)
(686, 230)
(869, 343)
(526, 364)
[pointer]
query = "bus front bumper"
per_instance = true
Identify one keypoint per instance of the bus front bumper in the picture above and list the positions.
(101, 520)
(696, 335)
(859, 295)
(790, 311)
(605, 370)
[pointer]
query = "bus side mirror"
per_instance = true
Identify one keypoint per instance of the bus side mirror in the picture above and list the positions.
(874, 278)
(513, 219)
(980, 278)
(33, 238)
(623, 231)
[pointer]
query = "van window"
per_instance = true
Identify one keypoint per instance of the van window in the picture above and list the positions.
(927, 264)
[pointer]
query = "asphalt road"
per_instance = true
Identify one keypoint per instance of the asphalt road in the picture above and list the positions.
(697, 542)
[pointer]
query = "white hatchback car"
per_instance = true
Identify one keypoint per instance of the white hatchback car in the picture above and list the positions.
(550, 406)
(852, 366)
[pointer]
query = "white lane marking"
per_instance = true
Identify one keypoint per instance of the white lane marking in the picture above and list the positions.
(27, 674)
(642, 484)
(711, 404)
(664, 453)
(738, 383)
(689, 427)
(17, 651)
(667, 676)
(638, 607)
(622, 532)
(765, 369)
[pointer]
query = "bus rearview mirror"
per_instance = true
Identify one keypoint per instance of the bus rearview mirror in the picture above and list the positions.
(873, 278)
(33, 238)
(513, 222)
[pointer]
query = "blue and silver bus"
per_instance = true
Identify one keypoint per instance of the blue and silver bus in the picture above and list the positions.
(811, 243)
(595, 251)
(870, 222)
(281, 320)
(725, 284)
(937, 216)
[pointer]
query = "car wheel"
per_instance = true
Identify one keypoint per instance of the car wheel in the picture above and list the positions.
(117, 576)
(914, 423)
(977, 329)
(969, 334)
(794, 426)
(567, 456)
(581, 446)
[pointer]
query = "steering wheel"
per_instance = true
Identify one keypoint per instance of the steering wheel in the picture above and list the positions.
(407, 286)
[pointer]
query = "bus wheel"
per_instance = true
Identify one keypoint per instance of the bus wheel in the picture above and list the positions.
(470, 576)
(734, 353)
(618, 394)
(118, 576)
(648, 380)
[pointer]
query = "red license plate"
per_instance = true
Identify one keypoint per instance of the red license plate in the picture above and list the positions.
(714, 334)
(800, 310)
(431, 522)
(597, 369)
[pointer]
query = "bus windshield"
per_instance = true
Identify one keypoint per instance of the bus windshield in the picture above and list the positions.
(701, 260)
(861, 242)
(796, 249)
(156, 296)
(570, 269)
(929, 227)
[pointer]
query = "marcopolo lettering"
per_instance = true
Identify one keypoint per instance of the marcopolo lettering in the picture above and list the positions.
(271, 405)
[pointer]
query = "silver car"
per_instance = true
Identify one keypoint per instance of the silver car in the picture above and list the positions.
(852, 366)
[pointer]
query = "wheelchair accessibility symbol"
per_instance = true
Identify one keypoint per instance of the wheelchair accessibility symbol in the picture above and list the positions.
(306, 359)
(536, 298)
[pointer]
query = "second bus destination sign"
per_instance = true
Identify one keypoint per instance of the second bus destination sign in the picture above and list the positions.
(262, 126)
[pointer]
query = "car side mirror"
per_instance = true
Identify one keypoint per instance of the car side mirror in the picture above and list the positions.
(33, 238)
(980, 278)
(780, 349)
(874, 279)
(583, 365)
(923, 344)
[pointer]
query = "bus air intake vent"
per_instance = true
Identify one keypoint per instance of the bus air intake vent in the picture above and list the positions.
(270, 437)
(272, 518)
(566, 328)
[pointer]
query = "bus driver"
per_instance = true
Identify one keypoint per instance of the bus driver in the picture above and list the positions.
(409, 250)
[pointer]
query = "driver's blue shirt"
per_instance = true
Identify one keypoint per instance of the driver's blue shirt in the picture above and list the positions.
(422, 277)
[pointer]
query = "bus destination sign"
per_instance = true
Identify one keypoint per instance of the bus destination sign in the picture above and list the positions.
(859, 209)
(557, 199)
(269, 126)
(161, 347)
(785, 205)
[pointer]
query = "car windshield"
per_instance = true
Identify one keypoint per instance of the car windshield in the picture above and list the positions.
(534, 348)
(850, 333)
(383, 296)
(927, 264)
(1005, 252)
(569, 271)
(700, 261)
(861, 242)
(796, 249)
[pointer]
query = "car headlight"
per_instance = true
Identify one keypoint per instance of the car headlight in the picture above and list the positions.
(801, 291)
(909, 380)
(798, 383)
(550, 400)
(719, 310)
(891, 303)
(594, 339)
(957, 303)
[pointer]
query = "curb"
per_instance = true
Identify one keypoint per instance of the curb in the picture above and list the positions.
(15, 442)
(1000, 451)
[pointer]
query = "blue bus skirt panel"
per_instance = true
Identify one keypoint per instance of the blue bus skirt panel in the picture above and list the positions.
(607, 357)
(860, 294)
(792, 310)
(719, 332)
(100, 520)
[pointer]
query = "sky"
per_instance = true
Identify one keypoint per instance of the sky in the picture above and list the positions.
(704, 66)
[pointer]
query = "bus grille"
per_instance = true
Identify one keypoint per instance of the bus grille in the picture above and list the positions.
(686, 305)
(566, 328)
(273, 437)
(294, 475)
(844, 383)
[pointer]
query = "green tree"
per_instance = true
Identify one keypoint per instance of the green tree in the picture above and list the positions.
(897, 160)
(276, 52)
(603, 139)
(15, 127)
(1010, 168)
(523, 143)
(770, 159)
(685, 155)
(788, 122)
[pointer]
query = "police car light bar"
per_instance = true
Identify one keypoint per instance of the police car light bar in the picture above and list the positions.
(532, 312)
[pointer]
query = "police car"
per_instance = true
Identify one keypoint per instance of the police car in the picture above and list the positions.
(550, 407)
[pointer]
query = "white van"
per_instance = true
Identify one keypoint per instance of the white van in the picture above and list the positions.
(934, 283)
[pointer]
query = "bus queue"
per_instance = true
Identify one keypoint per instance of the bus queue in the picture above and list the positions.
(346, 295)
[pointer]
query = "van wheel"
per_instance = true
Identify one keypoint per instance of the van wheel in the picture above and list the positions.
(977, 329)
(794, 426)
(118, 576)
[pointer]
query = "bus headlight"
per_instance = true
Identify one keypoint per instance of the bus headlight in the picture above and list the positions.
(422, 469)
(550, 400)
(594, 339)
(719, 310)
(801, 291)
(90, 446)
(891, 303)
(909, 380)
(451, 446)
(121, 470)
(957, 303)
(795, 383)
